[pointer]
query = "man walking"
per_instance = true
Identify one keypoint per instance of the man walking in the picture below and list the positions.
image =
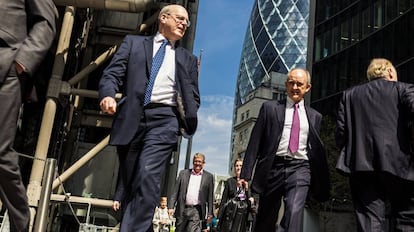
(374, 138)
(193, 197)
(27, 30)
(290, 157)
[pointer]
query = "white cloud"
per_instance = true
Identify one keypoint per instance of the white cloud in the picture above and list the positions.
(213, 133)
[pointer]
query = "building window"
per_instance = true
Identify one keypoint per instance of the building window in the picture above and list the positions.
(366, 22)
(377, 15)
(344, 35)
(247, 114)
(242, 117)
(355, 28)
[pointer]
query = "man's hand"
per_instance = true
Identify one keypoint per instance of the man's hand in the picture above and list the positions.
(171, 212)
(243, 183)
(108, 105)
(19, 68)
(116, 205)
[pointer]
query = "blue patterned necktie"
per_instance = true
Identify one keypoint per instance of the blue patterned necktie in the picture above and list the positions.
(294, 132)
(155, 68)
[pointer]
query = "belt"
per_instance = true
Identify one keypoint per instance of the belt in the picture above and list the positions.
(155, 105)
(284, 158)
(192, 206)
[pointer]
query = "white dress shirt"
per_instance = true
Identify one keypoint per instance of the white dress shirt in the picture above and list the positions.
(283, 148)
(164, 90)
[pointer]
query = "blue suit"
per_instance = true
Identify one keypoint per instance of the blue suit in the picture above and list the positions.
(145, 137)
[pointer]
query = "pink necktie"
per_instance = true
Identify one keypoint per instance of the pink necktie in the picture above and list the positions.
(294, 132)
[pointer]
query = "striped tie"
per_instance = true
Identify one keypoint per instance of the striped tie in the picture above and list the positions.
(155, 68)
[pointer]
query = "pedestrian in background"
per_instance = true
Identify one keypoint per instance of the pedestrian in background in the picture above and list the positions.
(160, 98)
(192, 197)
(162, 219)
(27, 30)
(374, 137)
(232, 190)
(290, 157)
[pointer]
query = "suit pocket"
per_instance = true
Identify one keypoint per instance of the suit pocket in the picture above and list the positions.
(8, 54)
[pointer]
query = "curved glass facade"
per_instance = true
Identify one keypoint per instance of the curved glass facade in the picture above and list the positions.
(275, 41)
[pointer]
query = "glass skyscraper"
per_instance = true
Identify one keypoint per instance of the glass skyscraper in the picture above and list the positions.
(275, 41)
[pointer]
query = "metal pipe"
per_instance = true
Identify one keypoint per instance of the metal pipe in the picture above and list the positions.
(82, 200)
(93, 65)
(82, 161)
(133, 6)
(43, 210)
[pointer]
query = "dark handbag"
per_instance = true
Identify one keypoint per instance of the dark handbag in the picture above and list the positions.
(234, 215)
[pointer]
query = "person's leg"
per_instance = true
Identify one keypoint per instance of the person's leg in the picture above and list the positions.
(12, 191)
(194, 220)
(270, 200)
(153, 151)
(369, 201)
(296, 190)
(401, 196)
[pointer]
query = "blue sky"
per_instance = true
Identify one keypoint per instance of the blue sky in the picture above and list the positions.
(221, 27)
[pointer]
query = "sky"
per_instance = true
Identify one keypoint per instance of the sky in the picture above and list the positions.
(221, 27)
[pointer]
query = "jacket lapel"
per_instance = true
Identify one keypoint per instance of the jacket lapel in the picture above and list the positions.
(148, 46)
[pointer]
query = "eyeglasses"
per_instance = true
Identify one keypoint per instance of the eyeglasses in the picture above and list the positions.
(180, 19)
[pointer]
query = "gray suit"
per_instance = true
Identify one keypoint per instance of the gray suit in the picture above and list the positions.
(205, 197)
(26, 44)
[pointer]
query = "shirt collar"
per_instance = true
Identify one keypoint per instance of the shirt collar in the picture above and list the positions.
(290, 103)
(158, 38)
(195, 173)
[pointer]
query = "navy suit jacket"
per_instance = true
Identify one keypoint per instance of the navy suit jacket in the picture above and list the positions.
(27, 29)
(128, 73)
(373, 128)
(263, 144)
(206, 192)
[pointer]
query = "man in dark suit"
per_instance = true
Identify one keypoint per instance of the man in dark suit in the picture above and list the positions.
(374, 138)
(157, 101)
(193, 197)
(290, 157)
(231, 190)
(27, 29)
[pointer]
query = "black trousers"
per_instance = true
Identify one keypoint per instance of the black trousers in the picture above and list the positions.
(375, 194)
(12, 191)
(290, 180)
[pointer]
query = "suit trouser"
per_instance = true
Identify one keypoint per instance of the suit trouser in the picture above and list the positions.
(142, 164)
(374, 194)
(12, 191)
(190, 221)
(289, 179)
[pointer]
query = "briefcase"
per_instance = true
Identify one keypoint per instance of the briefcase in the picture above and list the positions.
(234, 215)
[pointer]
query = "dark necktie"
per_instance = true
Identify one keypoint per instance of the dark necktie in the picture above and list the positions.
(155, 68)
(294, 132)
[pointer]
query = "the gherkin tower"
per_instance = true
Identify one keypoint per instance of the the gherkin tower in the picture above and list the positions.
(275, 41)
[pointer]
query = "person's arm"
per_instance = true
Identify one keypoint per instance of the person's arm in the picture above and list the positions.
(253, 147)
(156, 218)
(210, 199)
(341, 131)
(41, 18)
(113, 77)
(174, 196)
